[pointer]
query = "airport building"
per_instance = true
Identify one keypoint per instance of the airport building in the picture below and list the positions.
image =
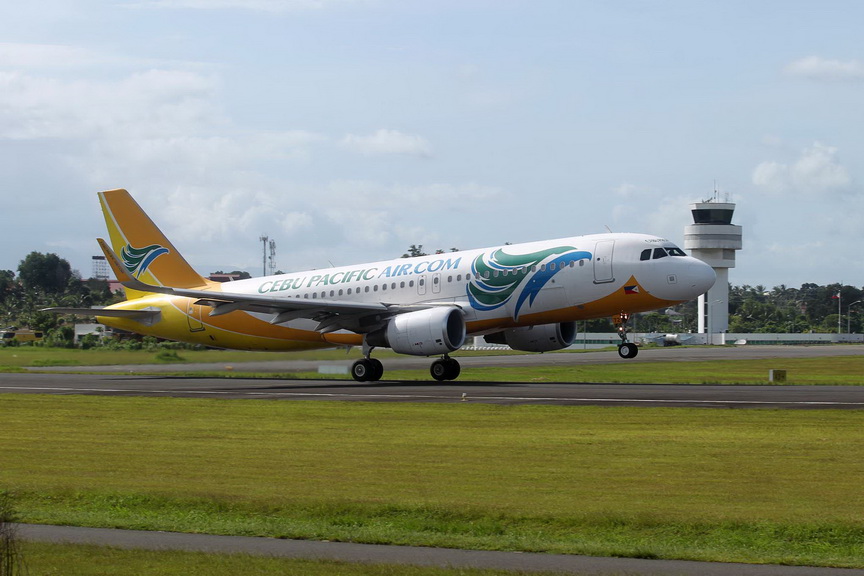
(713, 239)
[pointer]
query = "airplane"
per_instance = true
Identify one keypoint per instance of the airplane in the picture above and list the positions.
(528, 296)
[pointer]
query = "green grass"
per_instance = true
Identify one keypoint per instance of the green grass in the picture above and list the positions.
(751, 486)
(83, 560)
(838, 370)
(21, 356)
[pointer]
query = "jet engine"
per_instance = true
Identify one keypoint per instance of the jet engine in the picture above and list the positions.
(422, 333)
(541, 338)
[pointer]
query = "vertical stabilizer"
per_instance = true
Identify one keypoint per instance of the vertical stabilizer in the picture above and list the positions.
(144, 250)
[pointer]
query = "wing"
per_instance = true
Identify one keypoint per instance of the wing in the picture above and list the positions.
(331, 315)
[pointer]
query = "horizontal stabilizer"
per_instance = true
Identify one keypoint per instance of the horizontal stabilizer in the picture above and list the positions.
(105, 312)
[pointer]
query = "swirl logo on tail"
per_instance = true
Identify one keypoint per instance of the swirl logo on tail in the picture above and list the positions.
(498, 277)
(137, 260)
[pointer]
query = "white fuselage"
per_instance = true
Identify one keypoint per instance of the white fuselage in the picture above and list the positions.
(508, 285)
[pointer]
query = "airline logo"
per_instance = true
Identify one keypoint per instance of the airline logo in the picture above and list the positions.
(499, 277)
(137, 260)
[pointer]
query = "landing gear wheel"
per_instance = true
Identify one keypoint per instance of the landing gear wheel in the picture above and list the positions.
(445, 369)
(378, 369)
(367, 370)
(628, 350)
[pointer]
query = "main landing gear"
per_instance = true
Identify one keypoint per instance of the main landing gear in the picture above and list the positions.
(625, 349)
(367, 370)
(370, 369)
(445, 369)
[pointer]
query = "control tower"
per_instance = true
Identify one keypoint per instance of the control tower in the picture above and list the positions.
(713, 239)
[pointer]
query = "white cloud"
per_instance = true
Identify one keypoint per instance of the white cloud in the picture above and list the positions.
(295, 222)
(816, 68)
(14, 55)
(816, 171)
(388, 142)
(625, 190)
(145, 104)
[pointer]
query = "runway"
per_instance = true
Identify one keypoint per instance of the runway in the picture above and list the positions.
(670, 354)
(411, 555)
(668, 395)
(120, 383)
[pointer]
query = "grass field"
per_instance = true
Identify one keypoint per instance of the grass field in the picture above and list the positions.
(840, 370)
(21, 356)
(751, 486)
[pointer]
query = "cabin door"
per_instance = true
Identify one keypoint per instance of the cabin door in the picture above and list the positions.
(603, 261)
(193, 316)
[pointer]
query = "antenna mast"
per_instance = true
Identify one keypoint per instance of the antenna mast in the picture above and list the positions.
(272, 257)
(264, 239)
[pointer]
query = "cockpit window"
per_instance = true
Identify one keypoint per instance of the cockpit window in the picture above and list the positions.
(657, 253)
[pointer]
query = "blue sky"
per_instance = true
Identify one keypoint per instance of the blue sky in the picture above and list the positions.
(347, 130)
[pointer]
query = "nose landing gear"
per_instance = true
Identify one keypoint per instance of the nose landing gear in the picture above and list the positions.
(625, 349)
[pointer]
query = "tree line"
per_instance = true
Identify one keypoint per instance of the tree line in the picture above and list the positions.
(44, 280)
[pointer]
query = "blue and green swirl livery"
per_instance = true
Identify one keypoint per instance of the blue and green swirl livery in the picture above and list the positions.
(520, 275)
(137, 260)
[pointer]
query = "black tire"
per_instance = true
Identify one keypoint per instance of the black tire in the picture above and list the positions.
(362, 370)
(445, 369)
(628, 350)
(454, 369)
(377, 370)
(439, 370)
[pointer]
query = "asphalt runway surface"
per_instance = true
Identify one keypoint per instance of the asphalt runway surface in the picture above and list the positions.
(668, 395)
(410, 555)
(148, 382)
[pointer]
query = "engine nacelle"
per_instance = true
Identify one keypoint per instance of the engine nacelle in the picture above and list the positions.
(541, 338)
(422, 333)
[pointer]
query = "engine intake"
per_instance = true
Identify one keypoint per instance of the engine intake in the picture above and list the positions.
(541, 338)
(422, 333)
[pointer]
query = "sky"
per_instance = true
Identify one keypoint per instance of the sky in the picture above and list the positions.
(348, 130)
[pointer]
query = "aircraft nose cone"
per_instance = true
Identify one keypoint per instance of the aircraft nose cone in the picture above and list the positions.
(700, 277)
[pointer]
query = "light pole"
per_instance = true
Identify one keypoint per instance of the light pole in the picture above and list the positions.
(849, 315)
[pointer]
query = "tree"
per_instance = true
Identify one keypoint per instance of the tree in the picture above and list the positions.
(7, 283)
(45, 272)
(414, 250)
(417, 250)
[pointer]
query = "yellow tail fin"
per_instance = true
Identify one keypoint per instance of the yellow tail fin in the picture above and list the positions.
(145, 251)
